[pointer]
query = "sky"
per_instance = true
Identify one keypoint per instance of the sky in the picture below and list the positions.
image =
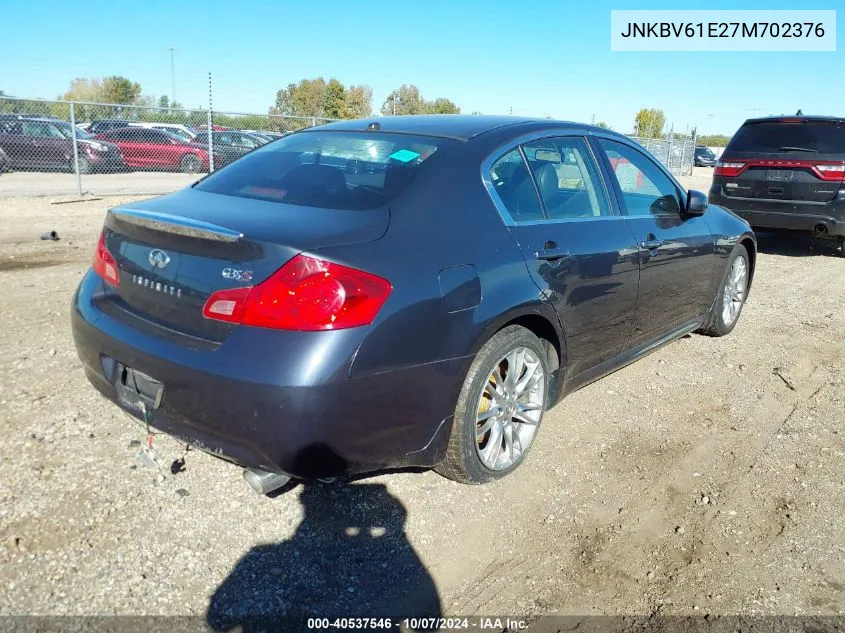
(537, 58)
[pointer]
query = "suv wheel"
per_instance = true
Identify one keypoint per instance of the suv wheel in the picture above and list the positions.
(499, 409)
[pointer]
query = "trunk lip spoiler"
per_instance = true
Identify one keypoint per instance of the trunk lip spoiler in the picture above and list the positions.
(177, 224)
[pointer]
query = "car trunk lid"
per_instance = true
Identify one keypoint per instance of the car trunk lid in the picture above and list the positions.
(173, 252)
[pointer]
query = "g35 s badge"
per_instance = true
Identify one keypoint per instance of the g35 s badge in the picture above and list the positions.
(237, 275)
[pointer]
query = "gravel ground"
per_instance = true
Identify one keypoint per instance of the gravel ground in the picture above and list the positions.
(707, 478)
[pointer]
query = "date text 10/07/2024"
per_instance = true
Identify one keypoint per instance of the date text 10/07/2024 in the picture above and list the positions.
(426, 624)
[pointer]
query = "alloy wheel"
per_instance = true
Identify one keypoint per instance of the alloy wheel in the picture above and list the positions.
(510, 408)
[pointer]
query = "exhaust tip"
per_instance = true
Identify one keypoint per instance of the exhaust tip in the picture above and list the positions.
(820, 229)
(264, 482)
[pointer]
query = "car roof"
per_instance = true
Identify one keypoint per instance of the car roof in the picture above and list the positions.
(40, 119)
(801, 118)
(457, 126)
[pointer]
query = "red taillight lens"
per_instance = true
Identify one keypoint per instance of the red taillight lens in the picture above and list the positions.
(831, 172)
(105, 264)
(304, 294)
(728, 169)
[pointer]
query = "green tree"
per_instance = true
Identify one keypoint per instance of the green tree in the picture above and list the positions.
(118, 89)
(82, 89)
(302, 99)
(163, 101)
(359, 101)
(318, 98)
(603, 125)
(334, 100)
(442, 105)
(713, 140)
(650, 123)
(405, 100)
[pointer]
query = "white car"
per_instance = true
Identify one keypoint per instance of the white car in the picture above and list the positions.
(175, 128)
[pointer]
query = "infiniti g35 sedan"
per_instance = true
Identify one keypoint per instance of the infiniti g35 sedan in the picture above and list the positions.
(402, 291)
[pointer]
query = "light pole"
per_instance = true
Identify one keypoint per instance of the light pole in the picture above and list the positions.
(172, 77)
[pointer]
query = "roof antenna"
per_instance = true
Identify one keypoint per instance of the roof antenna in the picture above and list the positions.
(799, 113)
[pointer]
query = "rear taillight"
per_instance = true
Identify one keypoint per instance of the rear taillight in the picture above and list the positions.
(304, 294)
(831, 172)
(728, 169)
(105, 264)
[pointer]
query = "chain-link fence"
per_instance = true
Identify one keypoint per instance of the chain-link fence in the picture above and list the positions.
(678, 155)
(79, 147)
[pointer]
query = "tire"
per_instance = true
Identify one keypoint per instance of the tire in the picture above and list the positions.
(190, 164)
(84, 165)
(508, 438)
(719, 322)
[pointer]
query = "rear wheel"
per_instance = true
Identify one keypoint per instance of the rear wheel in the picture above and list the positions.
(191, 164)
(732, 294)
(499, 409)
(84, 165)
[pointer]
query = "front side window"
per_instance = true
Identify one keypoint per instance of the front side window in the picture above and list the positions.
(512, 182)
(334, 170)
(646, 190)
(42, 129)
(567, 178)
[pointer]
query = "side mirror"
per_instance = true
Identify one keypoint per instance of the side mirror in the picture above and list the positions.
(696, 203)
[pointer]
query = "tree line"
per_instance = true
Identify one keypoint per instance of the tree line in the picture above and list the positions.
(332, 100)
(310, 99)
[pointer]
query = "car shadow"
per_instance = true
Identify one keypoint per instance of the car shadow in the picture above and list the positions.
(349, 558)
(795, 245)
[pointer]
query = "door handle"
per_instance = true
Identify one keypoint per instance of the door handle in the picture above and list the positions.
(651, 245)
(550, 252)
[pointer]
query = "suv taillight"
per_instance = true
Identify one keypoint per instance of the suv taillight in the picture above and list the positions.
(105, 264)
(728, 169)
(305, 294)
(831, 172)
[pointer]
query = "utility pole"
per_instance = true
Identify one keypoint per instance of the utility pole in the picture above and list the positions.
(710, 123)
(754, 110)
(594, 119)
(172, 77)
(395, 94)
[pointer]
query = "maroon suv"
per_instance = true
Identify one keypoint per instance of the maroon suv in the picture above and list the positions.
(43, 143)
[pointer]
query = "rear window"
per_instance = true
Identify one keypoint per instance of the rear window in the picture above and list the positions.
(332, 170)
(808, 137)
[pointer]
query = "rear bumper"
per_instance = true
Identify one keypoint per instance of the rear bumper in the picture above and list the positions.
(786, 215)
(280, 401)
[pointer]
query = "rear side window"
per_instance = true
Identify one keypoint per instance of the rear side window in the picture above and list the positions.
(806, 137)
(512, 182)
(332, 170)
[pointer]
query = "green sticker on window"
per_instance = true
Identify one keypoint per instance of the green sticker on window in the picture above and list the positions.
(404, 155)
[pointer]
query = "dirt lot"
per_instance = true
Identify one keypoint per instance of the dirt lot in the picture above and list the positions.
(707, 478)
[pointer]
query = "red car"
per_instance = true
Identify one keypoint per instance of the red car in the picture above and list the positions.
(156, 149)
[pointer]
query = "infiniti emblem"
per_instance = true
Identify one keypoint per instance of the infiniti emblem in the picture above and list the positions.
(158, 258)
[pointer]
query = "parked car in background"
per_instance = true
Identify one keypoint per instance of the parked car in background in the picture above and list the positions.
(156, 149)
(263, 134)
(230, 145)
(301, 317)
(174, 128)
(704, 157)
(786, 173)
(99, 126)
(42, 143)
